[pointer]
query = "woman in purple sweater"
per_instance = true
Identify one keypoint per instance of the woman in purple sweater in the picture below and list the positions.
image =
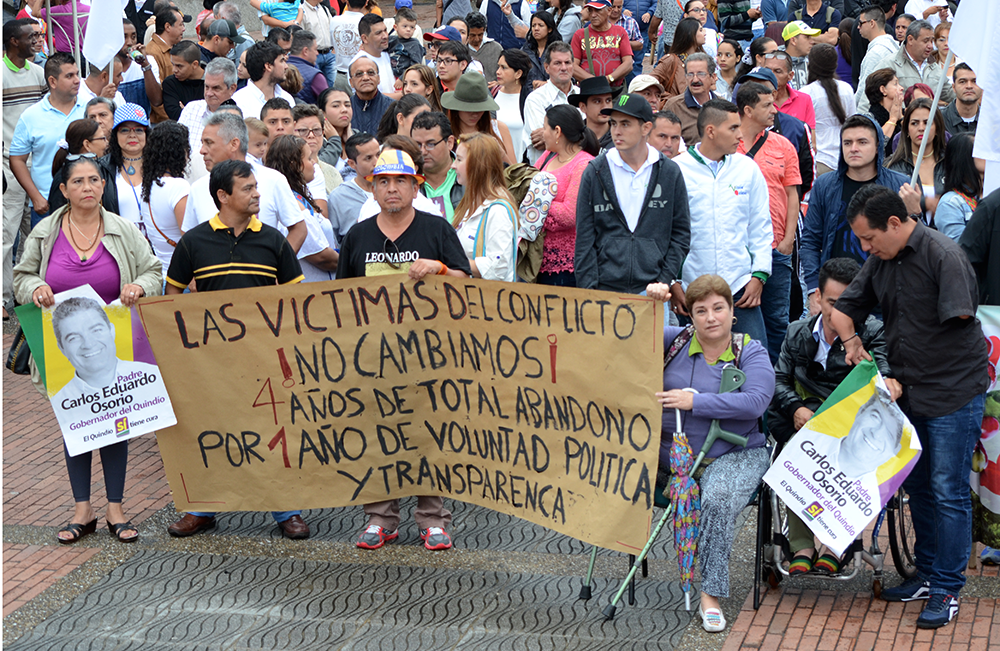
(732, 473)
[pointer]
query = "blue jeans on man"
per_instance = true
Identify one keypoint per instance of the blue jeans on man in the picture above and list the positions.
(940, 502)
(279, 516)
(327, 63)
(774, 302)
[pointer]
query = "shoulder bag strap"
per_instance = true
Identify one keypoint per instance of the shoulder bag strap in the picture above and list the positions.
(479, 248)
(586, 48)
(681, 340)
(757, 145)
(153, 222)
(547, 158)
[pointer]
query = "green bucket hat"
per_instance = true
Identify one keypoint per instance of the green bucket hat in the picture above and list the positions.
(470, 94)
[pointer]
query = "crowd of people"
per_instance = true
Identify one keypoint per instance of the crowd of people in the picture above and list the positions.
(756, 179)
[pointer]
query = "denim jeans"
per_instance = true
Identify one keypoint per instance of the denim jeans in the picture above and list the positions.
(940, 502)
(279, 516)
(774, 302)
(749, 321)
(35, 217)
(327, 63)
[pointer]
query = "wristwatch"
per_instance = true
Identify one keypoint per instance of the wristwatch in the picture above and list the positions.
(611, 79)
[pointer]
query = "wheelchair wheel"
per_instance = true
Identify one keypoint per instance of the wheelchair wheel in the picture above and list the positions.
(901, 535)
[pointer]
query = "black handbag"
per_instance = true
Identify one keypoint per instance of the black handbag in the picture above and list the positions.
(19, 355)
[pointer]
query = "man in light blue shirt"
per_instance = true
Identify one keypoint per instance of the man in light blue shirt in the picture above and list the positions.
(41, 127)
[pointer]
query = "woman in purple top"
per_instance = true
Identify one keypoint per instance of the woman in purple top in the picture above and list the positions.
(732, 473)
(83, 244)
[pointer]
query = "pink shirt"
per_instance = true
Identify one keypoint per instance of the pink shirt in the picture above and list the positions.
(560, 226)
(799, 105)
(67, 271)
(62, 24)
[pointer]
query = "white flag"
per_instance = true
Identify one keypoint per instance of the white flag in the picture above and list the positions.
(973, 39)
(105, 32)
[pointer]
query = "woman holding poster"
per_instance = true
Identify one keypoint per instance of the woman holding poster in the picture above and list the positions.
(83, 244)
(734, 472)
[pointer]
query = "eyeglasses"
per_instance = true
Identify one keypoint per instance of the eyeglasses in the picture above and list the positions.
(427, 146)
(391, 259)
(700, 75)
(96, 139)
(305, 133)
(445, 62)
(696, 10)
(130, 131)
(365, 73)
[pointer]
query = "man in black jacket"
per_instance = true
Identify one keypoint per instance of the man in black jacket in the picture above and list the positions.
(811, 365)
(981, 242)
(633, 226)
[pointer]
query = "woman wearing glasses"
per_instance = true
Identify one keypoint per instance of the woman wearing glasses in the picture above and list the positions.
(128, 139)
(84, 244)
(83, 138)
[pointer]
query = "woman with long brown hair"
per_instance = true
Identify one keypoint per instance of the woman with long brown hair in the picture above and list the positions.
(904, 158)
(83, 138)
(689, 37)
(833, 101)
(420, 79)
(469, 107)
(485, 218)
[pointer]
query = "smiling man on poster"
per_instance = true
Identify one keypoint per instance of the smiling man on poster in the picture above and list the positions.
(107, 397)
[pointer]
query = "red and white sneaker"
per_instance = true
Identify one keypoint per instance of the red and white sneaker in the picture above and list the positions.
(435, 538)
(375, 536)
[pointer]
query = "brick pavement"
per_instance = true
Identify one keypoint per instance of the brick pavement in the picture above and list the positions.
(826, 620)
(28, 570)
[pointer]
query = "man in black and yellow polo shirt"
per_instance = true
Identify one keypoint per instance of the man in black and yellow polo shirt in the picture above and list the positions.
(233, 250)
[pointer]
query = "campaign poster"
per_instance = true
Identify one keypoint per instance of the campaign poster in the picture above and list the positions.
(842, 467)
(985, 478)
(100, 373)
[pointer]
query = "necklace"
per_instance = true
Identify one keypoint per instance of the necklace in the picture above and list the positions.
(91, 241)
(130, 170)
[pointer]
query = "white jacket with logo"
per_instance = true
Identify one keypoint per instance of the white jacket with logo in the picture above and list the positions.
(731, 230)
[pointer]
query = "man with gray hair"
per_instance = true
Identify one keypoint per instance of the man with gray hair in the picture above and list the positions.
(219, 86)
(304, 55)
(225, 137)
(913, 65)
(699, 69)
(229, 11)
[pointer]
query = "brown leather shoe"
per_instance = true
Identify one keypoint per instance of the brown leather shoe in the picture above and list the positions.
(295, 528)
(189, 525)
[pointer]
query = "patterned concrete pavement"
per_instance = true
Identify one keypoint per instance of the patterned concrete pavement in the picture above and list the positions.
(508, 584)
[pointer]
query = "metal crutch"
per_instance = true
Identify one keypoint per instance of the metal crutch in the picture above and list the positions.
(732, 379)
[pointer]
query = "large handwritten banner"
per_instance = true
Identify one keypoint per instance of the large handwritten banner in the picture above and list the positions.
(529, 400)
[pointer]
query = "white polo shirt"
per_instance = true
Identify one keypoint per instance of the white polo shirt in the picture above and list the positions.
(251, 99)
(630, 185)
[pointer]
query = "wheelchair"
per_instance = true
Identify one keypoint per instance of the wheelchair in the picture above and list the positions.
(773, 551)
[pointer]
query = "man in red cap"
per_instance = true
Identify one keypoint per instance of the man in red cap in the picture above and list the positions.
(601, 49)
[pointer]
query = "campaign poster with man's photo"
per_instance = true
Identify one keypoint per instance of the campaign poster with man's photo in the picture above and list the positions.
(841, 468)
(100, 373)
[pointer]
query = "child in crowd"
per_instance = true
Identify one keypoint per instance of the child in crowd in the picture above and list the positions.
(404, 49)
(279, 13)
(259, 136)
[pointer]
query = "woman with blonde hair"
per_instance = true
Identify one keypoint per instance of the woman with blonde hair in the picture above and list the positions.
(938, 56)
(420, 79)
(485, 217)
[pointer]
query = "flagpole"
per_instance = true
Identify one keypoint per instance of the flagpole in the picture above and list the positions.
(76, 36)
(930, 118)
(48, 24)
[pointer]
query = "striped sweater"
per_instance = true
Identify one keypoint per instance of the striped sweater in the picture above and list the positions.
(21, 89)
(734, 21)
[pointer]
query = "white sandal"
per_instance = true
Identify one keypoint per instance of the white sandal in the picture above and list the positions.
(712, 620)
